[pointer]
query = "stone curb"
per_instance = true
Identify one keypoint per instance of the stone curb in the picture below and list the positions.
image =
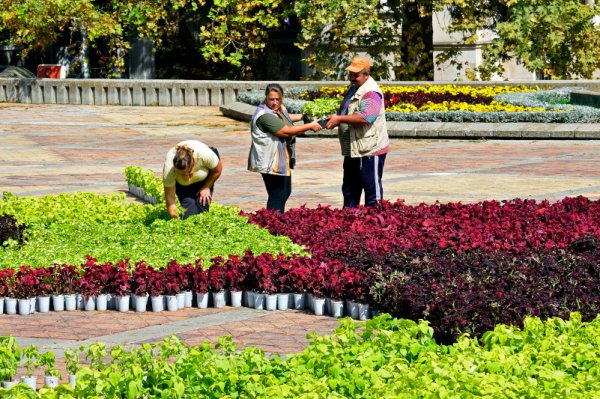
(448, 130)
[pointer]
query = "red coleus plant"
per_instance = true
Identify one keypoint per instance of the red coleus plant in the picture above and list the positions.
(65, 279)
(299, 273)
(120, 285)
(235, 270)
(516, 226)
(216, 274)
(7, 283)
(88, 285)
(103, 275)
(200, 278)
(263, 269)
(156, 282)
(175, 276)
(334, 286)
(44, 276)
(26, 283)
(283, 278)
(357, 284)
(343, 282)
(140, 278)
(316, 279)
(187, 279)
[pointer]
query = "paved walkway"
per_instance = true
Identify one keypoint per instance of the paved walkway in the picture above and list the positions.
(54, 149)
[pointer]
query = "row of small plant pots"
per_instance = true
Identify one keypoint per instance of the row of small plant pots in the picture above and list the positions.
(12, 354)
(50, 381)
(100, 302)
(159, 303)
(140, 193)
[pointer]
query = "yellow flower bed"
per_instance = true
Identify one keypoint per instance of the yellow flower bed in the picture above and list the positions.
(487, 91)
(473, 91)
(495, 106)
(484, 91)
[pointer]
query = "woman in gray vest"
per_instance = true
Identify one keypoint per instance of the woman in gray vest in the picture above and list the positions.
(272, 150)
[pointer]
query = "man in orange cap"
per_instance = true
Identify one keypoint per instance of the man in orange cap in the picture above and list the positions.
(363, 135)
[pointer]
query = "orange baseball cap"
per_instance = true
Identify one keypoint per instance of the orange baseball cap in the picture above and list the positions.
(358, 64)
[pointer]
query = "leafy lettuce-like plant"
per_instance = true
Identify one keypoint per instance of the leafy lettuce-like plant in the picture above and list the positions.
(72, 361)
(31, 355)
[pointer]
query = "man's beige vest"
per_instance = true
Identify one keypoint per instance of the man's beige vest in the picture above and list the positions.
(367, 139)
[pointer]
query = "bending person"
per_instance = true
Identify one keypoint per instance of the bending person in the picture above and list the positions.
(272, 153)
(190, 172)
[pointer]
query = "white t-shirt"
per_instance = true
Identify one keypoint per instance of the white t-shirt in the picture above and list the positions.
(206, 160)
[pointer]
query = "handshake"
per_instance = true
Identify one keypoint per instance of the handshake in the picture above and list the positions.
(322, 121)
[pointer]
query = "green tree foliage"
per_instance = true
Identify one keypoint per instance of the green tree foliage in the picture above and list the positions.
(36, 24)
(234, 32)
(227, 38)
(333, 31)
(151, 19)
(556, 38)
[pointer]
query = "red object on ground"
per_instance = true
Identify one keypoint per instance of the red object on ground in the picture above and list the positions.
(51, 71)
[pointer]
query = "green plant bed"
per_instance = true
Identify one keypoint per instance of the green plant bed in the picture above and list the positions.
(64, 228)
(381, 358)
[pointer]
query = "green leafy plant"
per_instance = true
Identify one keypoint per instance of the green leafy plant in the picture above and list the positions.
(95, 354)
(381, 357)
(111, 229)
(146, 180)
(10, 356)
(321, 107)
(32, 357)
(48, 360)
(72, 361)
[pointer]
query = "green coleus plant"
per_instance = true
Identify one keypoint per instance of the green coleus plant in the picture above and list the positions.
(64, 228)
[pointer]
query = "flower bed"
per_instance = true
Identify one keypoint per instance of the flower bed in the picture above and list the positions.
(111, 229)
(462, 267)
(517, 226)
(381, 358)
(449, 104)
